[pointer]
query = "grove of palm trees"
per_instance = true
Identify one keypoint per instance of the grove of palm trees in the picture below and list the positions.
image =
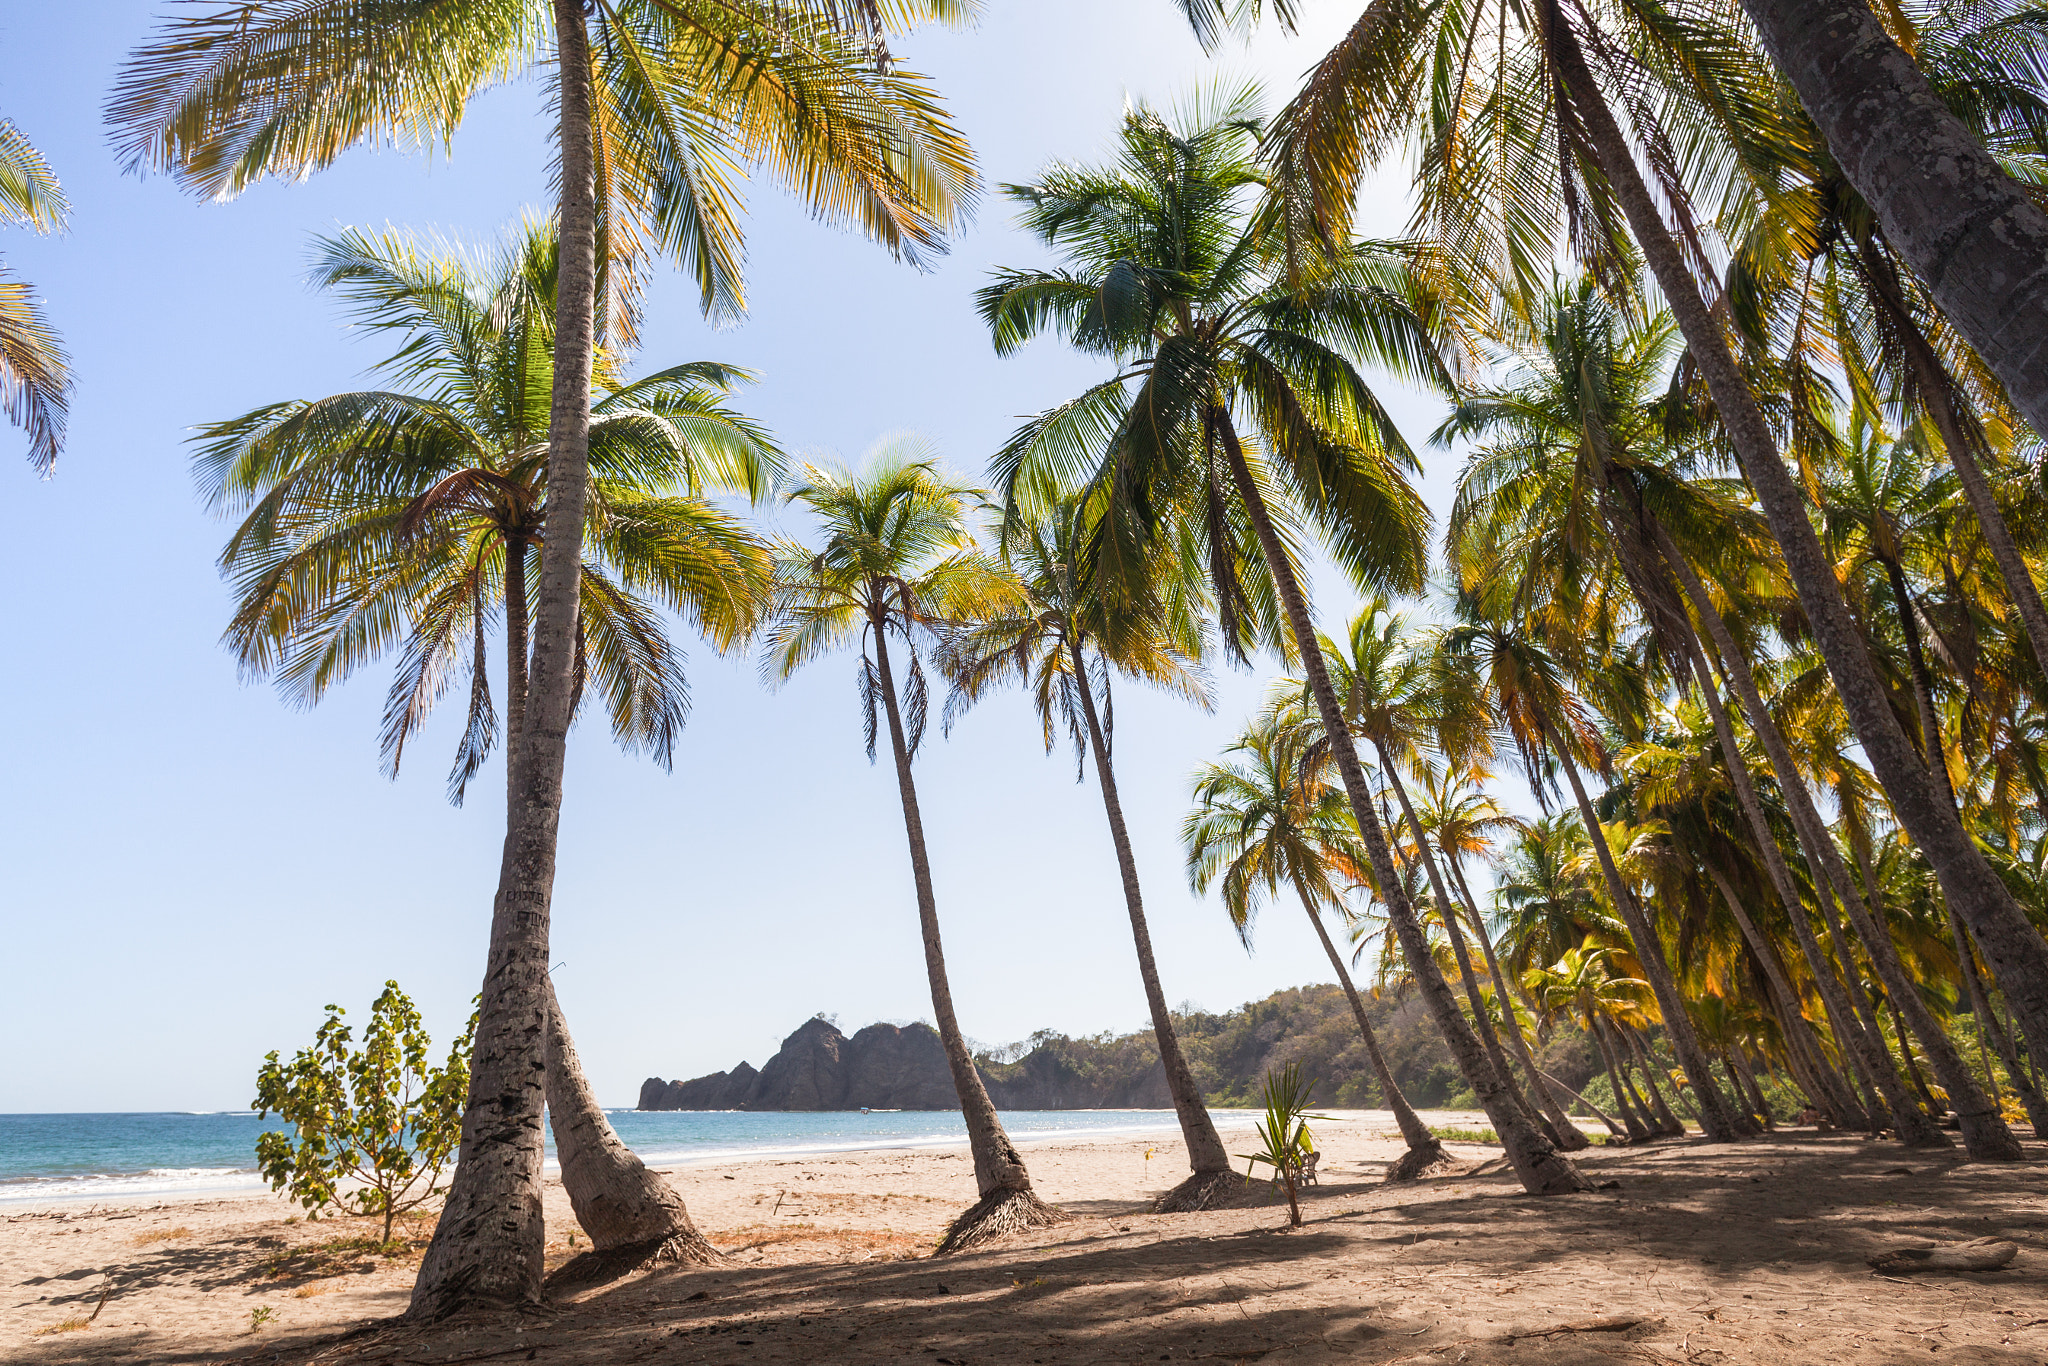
(1679, 773)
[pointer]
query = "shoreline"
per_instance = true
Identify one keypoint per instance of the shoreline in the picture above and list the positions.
(243, 1183)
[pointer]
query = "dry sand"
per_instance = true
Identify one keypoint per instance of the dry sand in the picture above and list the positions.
(1751, 1252)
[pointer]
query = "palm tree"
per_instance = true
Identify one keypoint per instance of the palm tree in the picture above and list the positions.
(1580, 984)
(1384, 686)
(1528, 139)
(655, 104)
(1263, 821)
(896, 559)
(1062, 640)
(1238, 398)
(35, 374)
(1550, 725)
(1973, 234)
(403, 518)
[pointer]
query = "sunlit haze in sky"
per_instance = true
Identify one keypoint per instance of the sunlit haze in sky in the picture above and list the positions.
(193, 868)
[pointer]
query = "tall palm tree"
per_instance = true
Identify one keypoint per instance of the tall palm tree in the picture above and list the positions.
(896, 559)
(657, 104)
(35, 374)
(1238, 397)
(1063, 639)
(1263, 820)
(1383, 683)
(1549, 120)
(404, 518)
(1582, 985)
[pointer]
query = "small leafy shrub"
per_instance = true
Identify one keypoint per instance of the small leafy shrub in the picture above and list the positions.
(259, 1316)
(380, 1115)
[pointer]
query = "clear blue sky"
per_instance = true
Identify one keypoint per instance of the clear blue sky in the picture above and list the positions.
(192, 869)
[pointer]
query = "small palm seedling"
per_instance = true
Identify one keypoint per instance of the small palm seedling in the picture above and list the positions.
(1289, 1147)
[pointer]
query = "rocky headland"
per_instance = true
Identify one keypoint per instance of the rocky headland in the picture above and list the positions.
(886, 1067)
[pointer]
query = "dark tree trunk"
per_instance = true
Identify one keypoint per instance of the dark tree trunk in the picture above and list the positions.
(1669, 1122)
(1007, 1201)
(1540, 1167)
(1423, 1148)
(1756, 1092)
(1937, 396)
(2017, 952)
(1579, 1098)
(1833, 1095)
(1538, 1083)
(633, 1215)
(489, 1244)
(1715, 1122)
(1208, 1160)
(1631, 1106)
(1484, 1023)
(1977, 239)
(1987, 1023)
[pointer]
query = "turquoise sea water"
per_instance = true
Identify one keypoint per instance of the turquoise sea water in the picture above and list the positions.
(136, 1156)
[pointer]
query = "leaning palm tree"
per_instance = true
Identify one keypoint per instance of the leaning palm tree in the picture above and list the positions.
(1063, 639)
(35, 374)
(896, 559)
(1238, 397)
(1263, 820)
(404, 519)
(656, 104)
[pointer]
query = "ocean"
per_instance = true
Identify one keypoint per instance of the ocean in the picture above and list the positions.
(128, 1157)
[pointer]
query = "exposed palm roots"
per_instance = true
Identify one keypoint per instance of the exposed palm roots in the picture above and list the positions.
(1203, 1190)
(1418, 1162)
(610, 1264)
(997, 1215)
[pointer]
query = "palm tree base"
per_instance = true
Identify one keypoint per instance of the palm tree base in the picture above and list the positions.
(997, 1215)
(1418, 1162)
(1202, 1191)
(614, 1263)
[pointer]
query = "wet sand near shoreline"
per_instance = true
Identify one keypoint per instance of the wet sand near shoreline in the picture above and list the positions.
(1737, 1253)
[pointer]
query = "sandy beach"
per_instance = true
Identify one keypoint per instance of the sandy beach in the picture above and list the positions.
(1755, 1252)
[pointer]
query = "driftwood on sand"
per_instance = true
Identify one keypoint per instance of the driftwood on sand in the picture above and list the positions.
(1982, 1254)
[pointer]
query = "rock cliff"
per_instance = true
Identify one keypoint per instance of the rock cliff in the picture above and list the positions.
(884, 1067)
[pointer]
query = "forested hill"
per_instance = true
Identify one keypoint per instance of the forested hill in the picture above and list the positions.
(887, 1066)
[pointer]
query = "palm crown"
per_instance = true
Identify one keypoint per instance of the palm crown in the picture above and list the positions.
(1222, 361)
(402, 517)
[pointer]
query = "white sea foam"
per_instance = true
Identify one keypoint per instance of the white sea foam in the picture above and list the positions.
(130, 1185)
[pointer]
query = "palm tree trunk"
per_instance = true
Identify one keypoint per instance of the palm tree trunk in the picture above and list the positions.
(1987, 1023)
(1937, 396)
(1553, 1129)
(1208, 1160)
(1579, 1098)
(633, 1215)
(1540, 1167)
(516, 647)
(2017, 952)
(1715, 1122)
(489, 1244)
(1934, 1107)
(1756, 1092)
(1631, 1109)
(1962, 224)
(1669, 1121)
(1823, 859)
(1423, 1148)
(1836, 1097)
(1573, 1139)
(1007, 1201)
